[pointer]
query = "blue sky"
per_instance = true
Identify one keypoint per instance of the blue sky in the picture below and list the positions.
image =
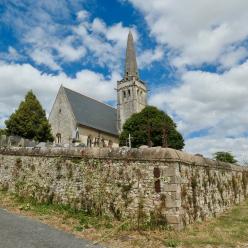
(194, 61)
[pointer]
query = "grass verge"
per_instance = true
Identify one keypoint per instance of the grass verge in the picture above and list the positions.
(228, 230)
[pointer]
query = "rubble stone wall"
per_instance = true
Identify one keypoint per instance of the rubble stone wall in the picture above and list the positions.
(148, 186)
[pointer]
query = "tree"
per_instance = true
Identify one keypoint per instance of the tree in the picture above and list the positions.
(29, 120)
(2, 131)
(225, 157)
(151, 127)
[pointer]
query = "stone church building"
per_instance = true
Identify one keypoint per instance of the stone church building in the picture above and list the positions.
(78, 118)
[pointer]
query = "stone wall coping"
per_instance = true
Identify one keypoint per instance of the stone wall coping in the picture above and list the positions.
(123, 153)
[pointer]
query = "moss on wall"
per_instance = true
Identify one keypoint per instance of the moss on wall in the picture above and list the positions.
(124, 183)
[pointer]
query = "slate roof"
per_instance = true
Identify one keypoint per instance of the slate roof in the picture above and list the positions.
(92, 113)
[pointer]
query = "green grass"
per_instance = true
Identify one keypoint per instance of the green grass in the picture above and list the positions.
(84, 219)
(171, 243)
(228, 230)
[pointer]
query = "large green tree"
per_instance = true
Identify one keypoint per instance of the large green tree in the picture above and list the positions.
(225, 157)
(29, 120)
(151, 127)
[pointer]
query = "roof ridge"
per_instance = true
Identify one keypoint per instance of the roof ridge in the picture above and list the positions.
(89, 97)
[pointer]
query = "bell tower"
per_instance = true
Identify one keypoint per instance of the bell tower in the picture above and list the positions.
(131, 91)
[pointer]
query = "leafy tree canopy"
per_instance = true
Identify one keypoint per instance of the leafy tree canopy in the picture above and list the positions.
(225, 157)
(29, 120)
(2, 131)
(151, 127)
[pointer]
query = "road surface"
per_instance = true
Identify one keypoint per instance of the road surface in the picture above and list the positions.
(22, 232)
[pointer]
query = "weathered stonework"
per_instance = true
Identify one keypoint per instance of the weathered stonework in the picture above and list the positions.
(64, 124)
(61, 118)
(131, 98)
(145, 185)
(131, 91)
(85, 132)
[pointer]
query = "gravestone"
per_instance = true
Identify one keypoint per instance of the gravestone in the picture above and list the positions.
(21, 142)
(30, 143)
(3, 140)
(14, 140)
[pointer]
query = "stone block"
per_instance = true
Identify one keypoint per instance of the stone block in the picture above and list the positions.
(176, 195)
(171, 188)
(171, 203)
(169, 171)
(173, 219)
(177, 227)
(165, 179)
(175, 179)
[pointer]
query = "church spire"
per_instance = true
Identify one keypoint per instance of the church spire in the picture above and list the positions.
(131, 68)
(131, 91)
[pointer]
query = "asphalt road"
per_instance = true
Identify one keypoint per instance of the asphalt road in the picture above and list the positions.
(22, 232)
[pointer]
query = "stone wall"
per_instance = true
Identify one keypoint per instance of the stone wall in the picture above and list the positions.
(131, 98)
(209, 189)
(63, 122)
(150, 185)
(85, 132)
(61, 118)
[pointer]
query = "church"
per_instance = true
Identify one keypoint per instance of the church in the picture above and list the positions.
(76, 118)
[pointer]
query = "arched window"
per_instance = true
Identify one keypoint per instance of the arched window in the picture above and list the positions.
(96, 142)
(129, 93)
(124, 94)
(103, 142)
(77, 134)
(58, 136)
(127, 75)
(89, 141)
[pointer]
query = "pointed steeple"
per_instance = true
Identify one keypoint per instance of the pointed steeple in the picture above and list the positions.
(131, 68)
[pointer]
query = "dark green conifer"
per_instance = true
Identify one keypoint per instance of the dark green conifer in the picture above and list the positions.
(29, 120)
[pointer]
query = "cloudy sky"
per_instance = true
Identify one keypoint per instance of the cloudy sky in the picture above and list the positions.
(192, 54)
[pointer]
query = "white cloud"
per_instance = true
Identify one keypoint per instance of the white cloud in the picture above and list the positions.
(82, 15)
(68, 52)
(233, 57)
(206, 99)
(44, 57)
(210, 104)
(11, 55)
(98, 26)
(46, 30)
(209, 101)
(106, 44)
(56, 49)
(210, 144)
(16, 80)
(118, 34)
(149, 56)
(87, 39)
(199, 31)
